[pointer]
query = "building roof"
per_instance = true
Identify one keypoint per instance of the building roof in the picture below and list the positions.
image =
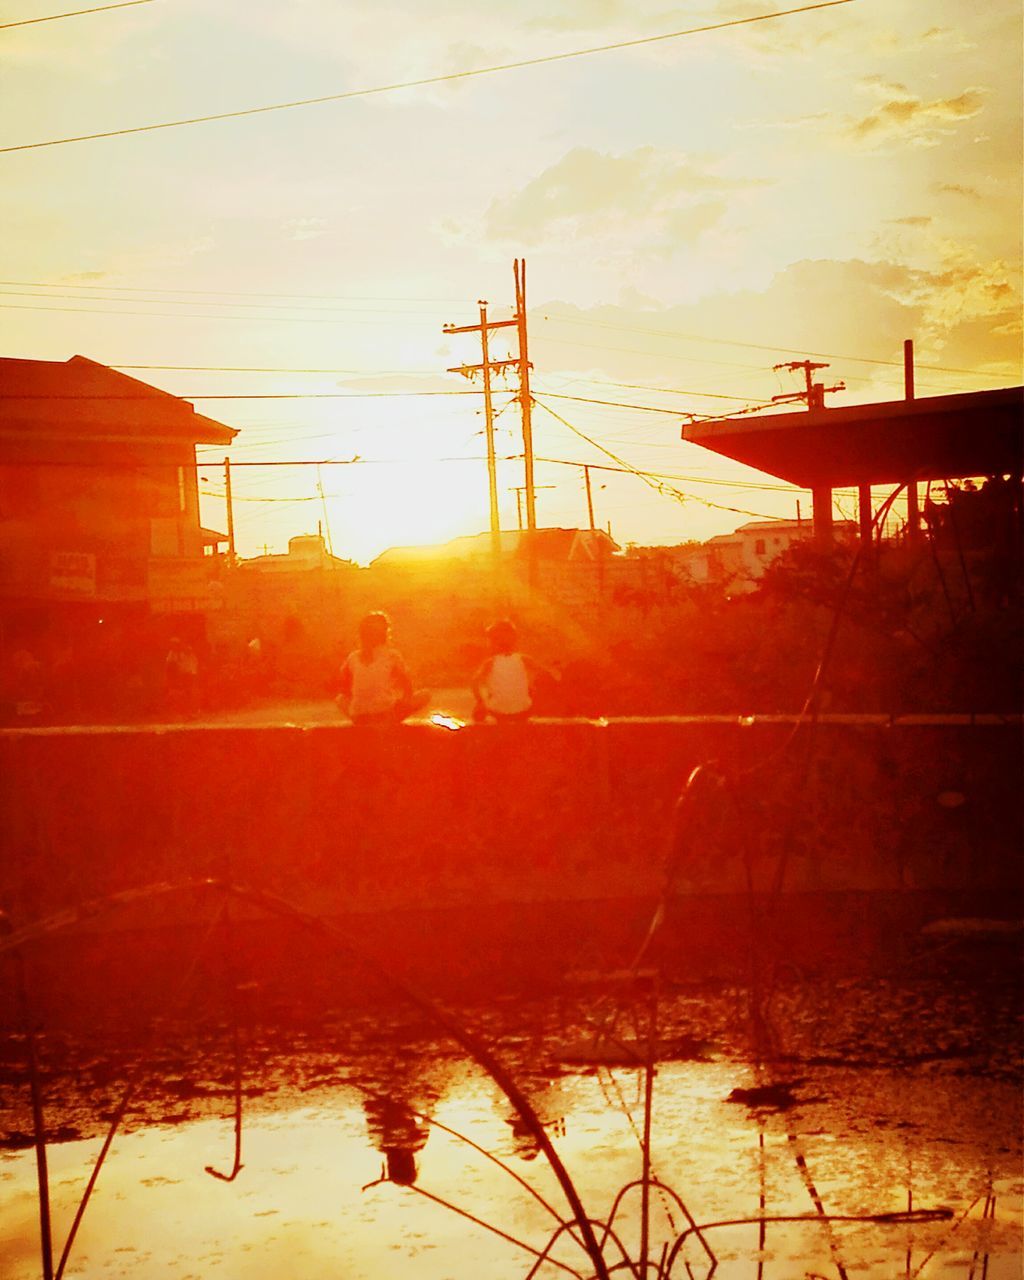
(79, 398)
(547, 544)
(975, 433)
(757, 528)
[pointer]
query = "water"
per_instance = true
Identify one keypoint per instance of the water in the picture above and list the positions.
(899, 1088)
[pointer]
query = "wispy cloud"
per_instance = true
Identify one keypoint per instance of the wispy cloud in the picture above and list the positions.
(665, 196)
(305, 228)
(902, 114)
(956, 189)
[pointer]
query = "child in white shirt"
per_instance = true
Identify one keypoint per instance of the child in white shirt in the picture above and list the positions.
(504, 684)
(375, 683)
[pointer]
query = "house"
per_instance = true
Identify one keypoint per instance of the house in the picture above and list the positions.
(306, 554)
(739, 559)
(560, 546)
(99, 505)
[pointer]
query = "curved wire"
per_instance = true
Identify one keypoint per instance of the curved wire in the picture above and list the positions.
(896, 1216)
(275, 905)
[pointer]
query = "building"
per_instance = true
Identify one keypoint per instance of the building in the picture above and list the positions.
(558, 546)
(306, 554)
(897, 442)
(99, 504)
(738, 560)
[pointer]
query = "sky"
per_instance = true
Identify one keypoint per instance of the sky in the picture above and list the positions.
(833, 181)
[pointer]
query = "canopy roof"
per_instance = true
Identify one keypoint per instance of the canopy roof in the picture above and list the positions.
(976, 433)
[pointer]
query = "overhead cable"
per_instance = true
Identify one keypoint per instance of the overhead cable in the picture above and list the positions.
(649, 478)
(425, 81)
(760, 346)
(220, 293)
(74, 13)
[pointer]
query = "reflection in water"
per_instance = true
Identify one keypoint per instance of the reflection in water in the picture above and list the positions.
(397, 1134)
(866, 1136)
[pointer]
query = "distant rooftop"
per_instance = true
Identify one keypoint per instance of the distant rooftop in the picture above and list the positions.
(976, 433)
(82, 398)
(548, 544)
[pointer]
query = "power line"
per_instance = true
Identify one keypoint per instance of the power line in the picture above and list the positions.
(209, 302)
(759, 346)
(671, 475)
(239, 368)
(648, 477)
(539, 60)
(649, 408)
(200, 315)
(241, 395)
(221, 293)
(74, 13)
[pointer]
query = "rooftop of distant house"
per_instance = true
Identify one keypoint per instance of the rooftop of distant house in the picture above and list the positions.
(306, 551)
(546, 544)
(78, 397)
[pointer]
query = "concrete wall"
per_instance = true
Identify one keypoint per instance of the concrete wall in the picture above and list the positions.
(352, 819)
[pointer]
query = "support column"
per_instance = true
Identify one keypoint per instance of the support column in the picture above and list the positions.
(913, 512)
(821, 502)
(913, 506)
(865, 513)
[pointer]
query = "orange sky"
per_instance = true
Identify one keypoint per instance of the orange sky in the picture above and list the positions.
(833, 181)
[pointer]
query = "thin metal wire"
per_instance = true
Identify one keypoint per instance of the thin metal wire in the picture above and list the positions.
(895, 1217)
(35, 1089)
(470, 1217)
(231, 983)
(127, 1094)
(333, 935)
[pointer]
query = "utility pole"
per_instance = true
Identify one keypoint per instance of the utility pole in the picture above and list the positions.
(519, 490)
(814, 393)
(590, 500)
(230, 508)
(813, 396)
(525, 403)
(327, 518)
(486, 367)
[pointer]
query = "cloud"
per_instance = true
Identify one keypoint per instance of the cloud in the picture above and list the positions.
(661, 198)
(904, 115)
(588, 15)
(961, 311)
(305, 228)
(956, 189)
(901, 115)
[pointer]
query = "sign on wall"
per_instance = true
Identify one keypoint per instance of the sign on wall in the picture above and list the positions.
(73, 574)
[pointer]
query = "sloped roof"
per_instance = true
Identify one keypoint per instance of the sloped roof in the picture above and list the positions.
(976, 433)
(547, 544)
(80, 398)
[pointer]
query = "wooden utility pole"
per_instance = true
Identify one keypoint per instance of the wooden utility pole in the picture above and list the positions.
(814, 393)
(230, 508)
(486, 367)
(492, 469)
(913, 505)
(813, 396)
(590, 500)
(519, 490)
(525, 403)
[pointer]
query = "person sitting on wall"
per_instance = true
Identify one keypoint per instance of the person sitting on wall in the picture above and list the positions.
(181, 678)
(375, 683)
(505, 683)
